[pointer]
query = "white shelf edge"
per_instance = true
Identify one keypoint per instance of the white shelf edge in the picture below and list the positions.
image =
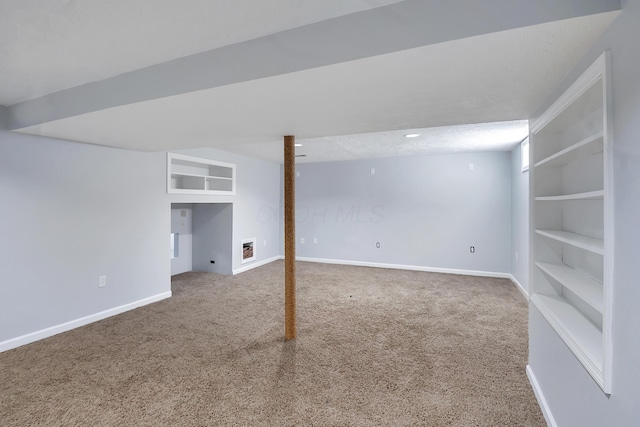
(583, 242)
(588, 195)
(581, 144)
(580, 335)
(200, 176)
(587, 289)
(201, 192)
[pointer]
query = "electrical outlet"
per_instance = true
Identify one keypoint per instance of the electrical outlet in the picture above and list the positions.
(373, 171)
(297, 174)
(472, 249)
(378, 245)
(302, 240)
(315, 241)
(102, 281)
(265, 243)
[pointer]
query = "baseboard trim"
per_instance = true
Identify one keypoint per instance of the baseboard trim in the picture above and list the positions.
(520, 287)
(67, 326)
(256, 264)
(407, 267)
(544, 407)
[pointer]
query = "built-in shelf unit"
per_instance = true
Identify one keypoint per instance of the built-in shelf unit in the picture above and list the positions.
(571, 219)
(195, 175)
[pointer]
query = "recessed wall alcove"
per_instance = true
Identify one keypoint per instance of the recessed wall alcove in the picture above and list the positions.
(204, 237)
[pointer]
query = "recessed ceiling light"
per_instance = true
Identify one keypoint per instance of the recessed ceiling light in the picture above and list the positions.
(298, 145)
(412, 135)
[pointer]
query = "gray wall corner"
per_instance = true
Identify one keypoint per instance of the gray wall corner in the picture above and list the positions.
(4, 117)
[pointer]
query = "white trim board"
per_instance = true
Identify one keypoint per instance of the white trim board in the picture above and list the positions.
(521, 288)
(595, 71)
(408, 267)
(256, 264)
(392, 266)
(67, 326)
(542, 402)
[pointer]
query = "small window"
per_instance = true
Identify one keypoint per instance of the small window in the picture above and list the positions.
(248, 250)
(524, 154)
(174, 245)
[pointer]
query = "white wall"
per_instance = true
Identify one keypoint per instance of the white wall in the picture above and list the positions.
(213, 237)
(71, 213)
(182, 223)
(519, 220)
(573, 397)
(425, 211)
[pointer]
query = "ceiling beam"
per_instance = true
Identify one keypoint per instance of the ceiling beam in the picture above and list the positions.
(400, 26)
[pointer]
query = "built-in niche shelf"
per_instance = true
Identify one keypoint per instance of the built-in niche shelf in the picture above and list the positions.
(195, 175)
(572, 221)
(576, 240)
(589, 195)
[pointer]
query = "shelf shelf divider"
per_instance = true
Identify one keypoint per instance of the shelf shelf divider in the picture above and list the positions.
(583, 242)
(580, 284)
(589, 195)
(586, 147)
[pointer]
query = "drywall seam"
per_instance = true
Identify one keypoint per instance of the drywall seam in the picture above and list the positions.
(67, 326)
(544, 407)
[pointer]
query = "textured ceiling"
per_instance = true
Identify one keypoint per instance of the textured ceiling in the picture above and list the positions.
(352, 105)
(499, 136)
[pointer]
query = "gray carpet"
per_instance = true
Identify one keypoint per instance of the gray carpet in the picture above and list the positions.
(374, 347)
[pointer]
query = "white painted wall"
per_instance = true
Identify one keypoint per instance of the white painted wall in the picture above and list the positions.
(573, 397)
(182, 223)
(519, 220)
(425, 211)
(213, 237)
(71, 213)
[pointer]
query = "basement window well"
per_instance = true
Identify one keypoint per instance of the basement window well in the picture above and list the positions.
(248, 250)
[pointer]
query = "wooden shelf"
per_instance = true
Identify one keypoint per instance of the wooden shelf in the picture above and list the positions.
(580, 284)
(582, 336)
(583, 242)
(586, 147)
(590, 195)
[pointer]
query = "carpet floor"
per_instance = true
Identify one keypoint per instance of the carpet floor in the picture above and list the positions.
(375, 347)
